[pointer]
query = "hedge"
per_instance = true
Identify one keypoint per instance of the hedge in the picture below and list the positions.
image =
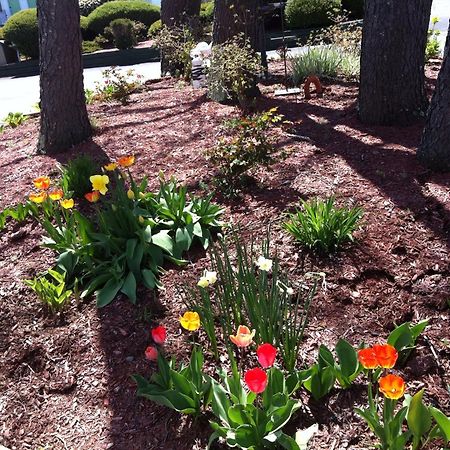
(137, 10)
(86, 32)
(310, 13)
(154, 29)
(22, 30)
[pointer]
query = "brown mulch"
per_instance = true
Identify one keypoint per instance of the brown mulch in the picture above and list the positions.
(65, 383)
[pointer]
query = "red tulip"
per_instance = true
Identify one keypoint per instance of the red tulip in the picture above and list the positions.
(151, 353)
(159, 335)
(266, 355)
(256, 380)
(386, 355)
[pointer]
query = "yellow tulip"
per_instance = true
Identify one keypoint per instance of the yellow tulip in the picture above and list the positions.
(99, 183)
(67, 203)
(190, 321)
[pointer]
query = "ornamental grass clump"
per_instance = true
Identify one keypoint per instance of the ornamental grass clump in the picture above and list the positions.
(322, 226)
(250, 294)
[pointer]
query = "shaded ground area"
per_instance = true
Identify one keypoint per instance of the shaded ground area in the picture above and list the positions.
(67, 385)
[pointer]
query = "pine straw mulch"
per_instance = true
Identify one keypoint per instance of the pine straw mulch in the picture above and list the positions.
(66, 384)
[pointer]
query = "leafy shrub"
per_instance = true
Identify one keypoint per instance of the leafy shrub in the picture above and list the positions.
(433, 48)
(86, 33)
(2, 33)
(87, 6)
(51, 289)
(90, 46)
(176, 44)
(117, 85)
(134, 10)
(140, 30)
(123, 33)
(322, 226)
(75, 175)
(233, 71)
(207, 12)
(355, 7)
(14, 120)
(22, 30)
(246, 145)
(251, 289)
(310, 13)
(155, 28)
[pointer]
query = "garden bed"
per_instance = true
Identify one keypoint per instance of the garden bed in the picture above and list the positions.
(67, 383)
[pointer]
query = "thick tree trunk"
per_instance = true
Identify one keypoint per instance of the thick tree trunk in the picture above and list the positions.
(434, 149)
(392, 82)
(238, 17)
(64, 118)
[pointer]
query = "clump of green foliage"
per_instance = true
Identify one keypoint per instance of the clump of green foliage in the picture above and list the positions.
(177, 43)
(51, 290)
(245, 146)
(117, 85)
(322, 226)
(310, 13)
(75, 175)
(233, 72)
(433, 49)
(154, 29)
(123, 33)
(14, 120)
(22, 30)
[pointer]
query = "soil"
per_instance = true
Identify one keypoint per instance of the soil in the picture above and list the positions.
(65, 382)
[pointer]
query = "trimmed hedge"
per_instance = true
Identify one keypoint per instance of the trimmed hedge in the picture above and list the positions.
(355, 7)
(137, 10)
(122, 30)
(86, 32)
(22, 30)
(155, 28)
(309, 13)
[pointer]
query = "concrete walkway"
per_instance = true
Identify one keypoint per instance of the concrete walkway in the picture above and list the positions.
(21, 94)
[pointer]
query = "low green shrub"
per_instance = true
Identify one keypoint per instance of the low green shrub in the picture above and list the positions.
(75, 175)
(246, 144)
(136, 10)
(322, 226)
(310, 13)
(433, 48)
(86, 33)
(22, 30)
(232, 74)
(140, 30)
(123, 33)
(14, 120)
(154, 29)
(90, 46)
(207, 12)
(354, 7)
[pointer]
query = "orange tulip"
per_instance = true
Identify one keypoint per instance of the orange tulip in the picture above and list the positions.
(126, 161)
(392, 386)
(368, 358)
(110, 167)
(42, 183)
(92, 197)
(386, 355)
(38, 198)
(244, 337)
(56, 194)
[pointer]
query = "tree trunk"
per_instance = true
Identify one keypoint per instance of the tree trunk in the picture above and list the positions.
(64, 118)
(392, 82)
(434, 149)
(179, 12)
(235, 17)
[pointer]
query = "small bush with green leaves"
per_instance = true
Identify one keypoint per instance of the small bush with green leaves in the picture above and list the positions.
(75, 175)
(86, 33)
(22, 30)
(91, 46)
(176, 44)
(433, 48)
(117, 85)
(322, 226)
(154, 29)
(310, 13)
(233, 72)
(245, 145)
(51, 289)
(123, 33)
(207, 12)
(135, 10)
(14, 120)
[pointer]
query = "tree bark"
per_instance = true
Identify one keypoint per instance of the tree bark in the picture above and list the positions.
(64, 118)
(434, 149)
(179, 12)
(392, 81)
(238, 17)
